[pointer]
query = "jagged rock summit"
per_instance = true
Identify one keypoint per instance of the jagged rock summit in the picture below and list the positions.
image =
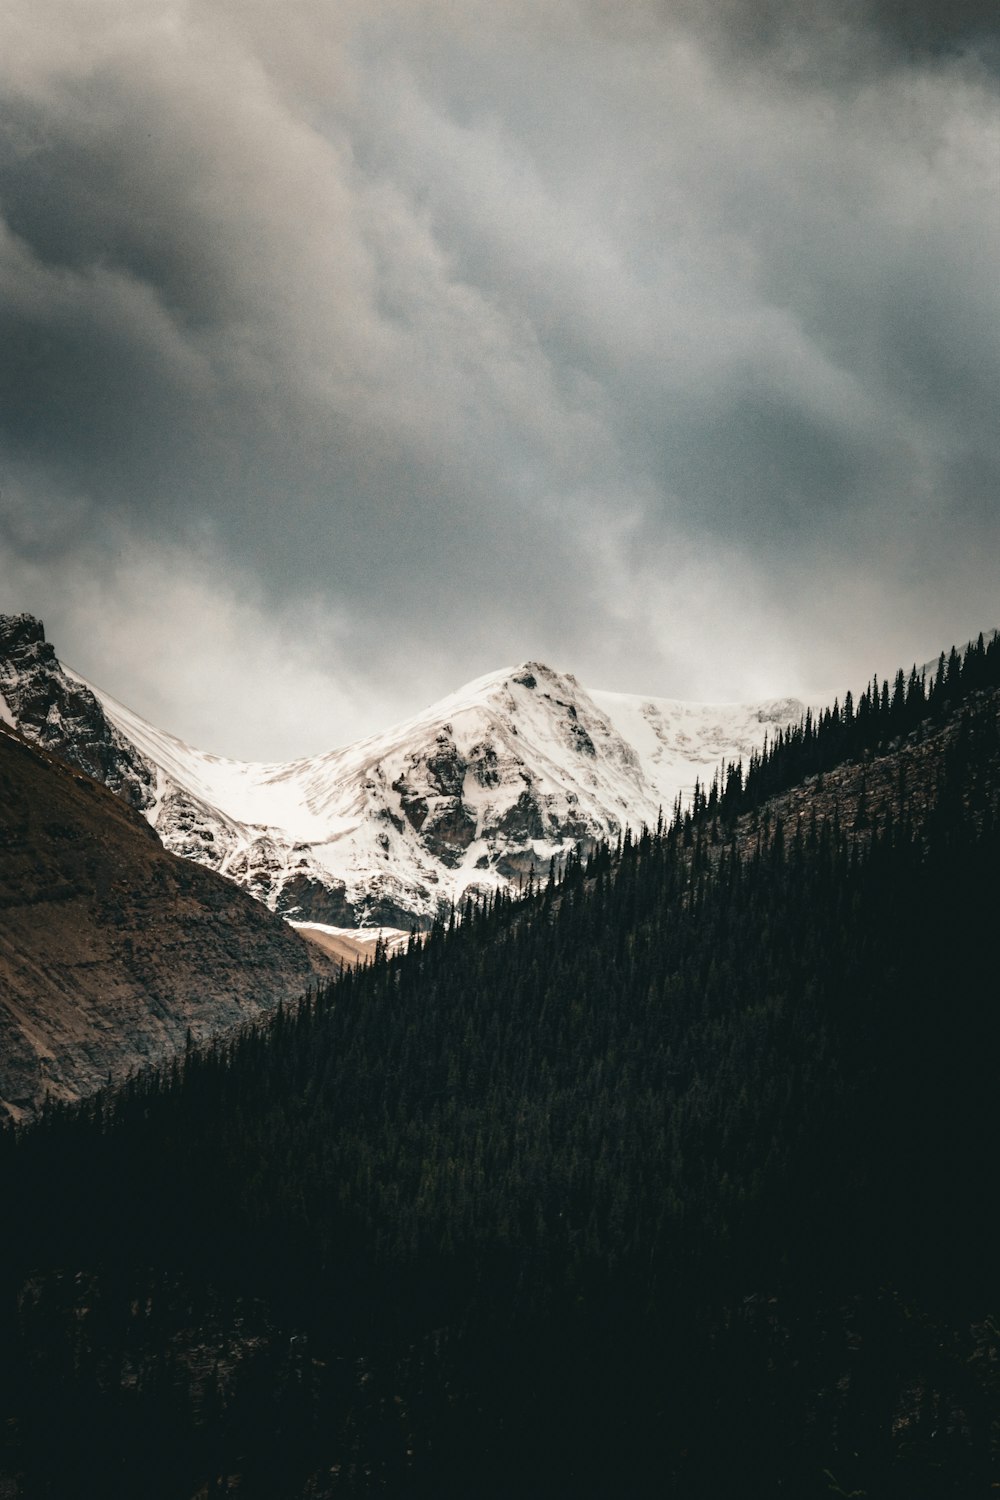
(513, 770)
(60, 712)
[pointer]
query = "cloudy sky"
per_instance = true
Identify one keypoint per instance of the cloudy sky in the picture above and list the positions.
(352, 348)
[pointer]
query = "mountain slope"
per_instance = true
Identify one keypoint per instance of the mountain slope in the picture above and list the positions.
(112, 949)
(677, 743)
(674, 1179)
(513, 770)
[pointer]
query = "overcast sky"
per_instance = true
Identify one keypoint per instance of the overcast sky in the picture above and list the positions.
(350, 349)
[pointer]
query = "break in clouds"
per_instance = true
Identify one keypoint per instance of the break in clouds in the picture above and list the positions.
(350, 351)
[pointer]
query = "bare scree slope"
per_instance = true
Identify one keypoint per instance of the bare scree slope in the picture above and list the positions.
(513, 769)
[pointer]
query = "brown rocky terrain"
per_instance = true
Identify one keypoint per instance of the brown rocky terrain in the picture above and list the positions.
(350, 949)
(112, 949)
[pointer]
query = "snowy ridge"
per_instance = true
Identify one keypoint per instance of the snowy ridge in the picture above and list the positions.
(511, 771)
(678, 743)
(514, 769)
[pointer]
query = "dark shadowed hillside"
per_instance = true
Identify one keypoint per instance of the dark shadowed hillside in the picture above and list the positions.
(676, 1178)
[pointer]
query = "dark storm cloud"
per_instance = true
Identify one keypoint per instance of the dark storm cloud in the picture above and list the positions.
(466, 334)
(821, 37)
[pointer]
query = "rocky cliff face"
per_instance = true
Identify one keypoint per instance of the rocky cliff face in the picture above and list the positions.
(63, 715)
(111, 948)
(514, 770)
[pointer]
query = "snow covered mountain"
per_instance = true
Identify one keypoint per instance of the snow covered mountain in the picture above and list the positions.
(514, 769)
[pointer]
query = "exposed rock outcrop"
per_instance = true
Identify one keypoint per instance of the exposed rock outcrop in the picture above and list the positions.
(64, 715)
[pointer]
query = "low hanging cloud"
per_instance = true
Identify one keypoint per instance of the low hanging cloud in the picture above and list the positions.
(659, 342)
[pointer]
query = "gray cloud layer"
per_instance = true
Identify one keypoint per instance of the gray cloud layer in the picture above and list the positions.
(359, 349)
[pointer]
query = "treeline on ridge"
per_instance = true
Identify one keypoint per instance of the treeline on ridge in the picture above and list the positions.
(881, 717)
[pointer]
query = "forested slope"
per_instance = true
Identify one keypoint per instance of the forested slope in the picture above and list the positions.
(677, 1177)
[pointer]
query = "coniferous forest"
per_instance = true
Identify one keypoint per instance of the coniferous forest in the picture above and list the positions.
(676, 1175)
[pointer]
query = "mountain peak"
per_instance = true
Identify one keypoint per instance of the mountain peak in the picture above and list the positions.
(515, 769)
(20, 633)
(13, 625)
(530, 673)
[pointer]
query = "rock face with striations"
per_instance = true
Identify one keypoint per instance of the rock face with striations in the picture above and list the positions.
(112, 949)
